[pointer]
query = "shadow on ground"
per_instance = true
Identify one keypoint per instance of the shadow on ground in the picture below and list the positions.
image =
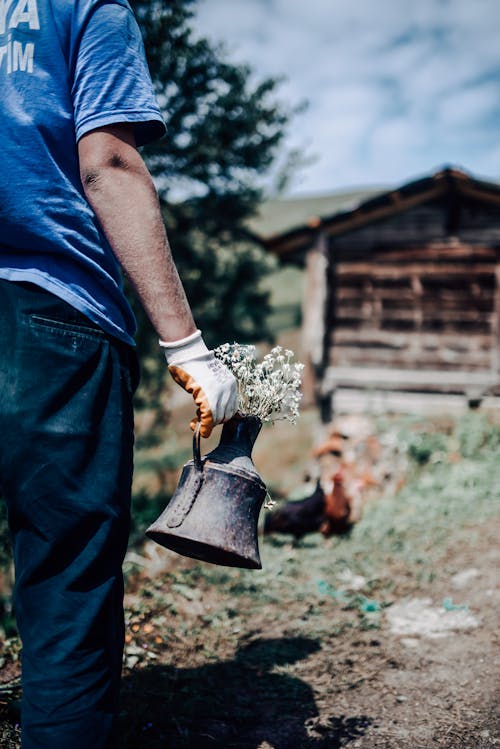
(244, 703)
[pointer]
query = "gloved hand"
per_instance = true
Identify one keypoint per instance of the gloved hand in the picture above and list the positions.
(209, 381)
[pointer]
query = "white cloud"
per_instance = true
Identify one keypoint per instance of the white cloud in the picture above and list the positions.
(470, 106)
(395, 87)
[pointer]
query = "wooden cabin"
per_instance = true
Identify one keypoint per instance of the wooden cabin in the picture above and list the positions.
(402, 292)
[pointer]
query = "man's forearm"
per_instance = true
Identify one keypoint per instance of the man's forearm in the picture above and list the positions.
(121, 192)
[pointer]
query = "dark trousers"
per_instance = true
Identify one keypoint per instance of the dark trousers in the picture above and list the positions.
(66, 441)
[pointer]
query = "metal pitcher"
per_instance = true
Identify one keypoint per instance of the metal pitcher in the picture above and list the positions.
(213, 513)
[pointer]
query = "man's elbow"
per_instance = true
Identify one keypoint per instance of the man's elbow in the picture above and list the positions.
(107, 154)
(115, 171)
(90, 177)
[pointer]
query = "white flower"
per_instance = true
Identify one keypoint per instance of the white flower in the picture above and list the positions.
(269, 389)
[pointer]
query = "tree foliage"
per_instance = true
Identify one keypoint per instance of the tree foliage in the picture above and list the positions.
(224, 132)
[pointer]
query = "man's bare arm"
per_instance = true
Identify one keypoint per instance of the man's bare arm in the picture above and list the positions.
(121, 192)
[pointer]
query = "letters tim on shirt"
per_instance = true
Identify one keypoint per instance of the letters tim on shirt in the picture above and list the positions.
(15, 54)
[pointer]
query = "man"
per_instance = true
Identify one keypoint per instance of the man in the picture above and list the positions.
(76, 202)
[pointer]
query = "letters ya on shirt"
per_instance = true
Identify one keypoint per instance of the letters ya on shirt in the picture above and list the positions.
(14, 54)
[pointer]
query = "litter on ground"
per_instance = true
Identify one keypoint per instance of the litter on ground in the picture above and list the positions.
(419, 617)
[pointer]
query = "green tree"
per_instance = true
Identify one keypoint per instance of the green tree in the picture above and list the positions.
(224, 133)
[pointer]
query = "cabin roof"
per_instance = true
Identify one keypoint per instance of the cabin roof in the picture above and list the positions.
(289, 226)
(280, 216)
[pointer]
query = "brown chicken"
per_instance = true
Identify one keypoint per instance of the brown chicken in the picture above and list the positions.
(338, 509)
(333, 445)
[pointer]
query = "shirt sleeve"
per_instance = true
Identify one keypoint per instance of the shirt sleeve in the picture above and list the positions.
(111, 82)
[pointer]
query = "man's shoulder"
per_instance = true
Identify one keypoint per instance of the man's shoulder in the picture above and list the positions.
(79, 8)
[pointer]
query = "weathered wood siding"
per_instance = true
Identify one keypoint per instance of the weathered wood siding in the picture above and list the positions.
(407, 295)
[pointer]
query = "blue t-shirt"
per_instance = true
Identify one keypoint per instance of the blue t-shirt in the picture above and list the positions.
(66, 68)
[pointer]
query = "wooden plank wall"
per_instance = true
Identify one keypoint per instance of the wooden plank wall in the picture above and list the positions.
(427, 307)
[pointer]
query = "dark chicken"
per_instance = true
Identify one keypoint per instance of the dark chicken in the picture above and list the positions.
(329, 513)
(299, 517)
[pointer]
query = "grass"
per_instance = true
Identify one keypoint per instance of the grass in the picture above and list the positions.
(453, 476)
(452, 480)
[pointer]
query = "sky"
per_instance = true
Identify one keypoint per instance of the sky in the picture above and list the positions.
(395, 89)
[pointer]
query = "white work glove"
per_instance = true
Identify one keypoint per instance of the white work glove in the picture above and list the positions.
(213, 387)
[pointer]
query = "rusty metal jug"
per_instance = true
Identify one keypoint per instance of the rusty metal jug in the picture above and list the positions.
(214, 512)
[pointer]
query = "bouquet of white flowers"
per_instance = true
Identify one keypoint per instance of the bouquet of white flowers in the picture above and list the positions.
(269, 389)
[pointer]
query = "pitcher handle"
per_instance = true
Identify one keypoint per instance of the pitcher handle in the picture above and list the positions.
(198, 464)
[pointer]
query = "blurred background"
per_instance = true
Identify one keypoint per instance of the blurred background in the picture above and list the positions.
(329, 183)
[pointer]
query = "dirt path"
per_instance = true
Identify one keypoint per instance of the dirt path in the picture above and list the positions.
(424, 677)
(430, 678)
(330, 671)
